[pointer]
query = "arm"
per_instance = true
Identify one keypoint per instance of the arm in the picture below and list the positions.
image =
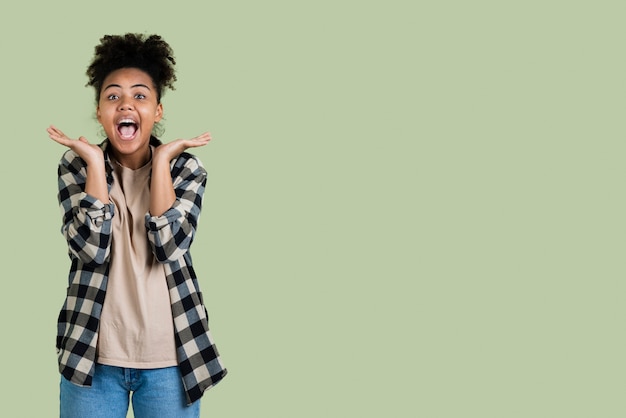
(176, 191)
(96, 183)
(87, 220)
(83, 197)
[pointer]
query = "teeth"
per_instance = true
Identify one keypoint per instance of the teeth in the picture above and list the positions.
(126, 121)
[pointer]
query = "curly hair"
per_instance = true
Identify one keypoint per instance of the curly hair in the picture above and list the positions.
(147, 53)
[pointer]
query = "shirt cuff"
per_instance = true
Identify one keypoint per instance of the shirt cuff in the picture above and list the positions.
(155, 223)
(95, 210)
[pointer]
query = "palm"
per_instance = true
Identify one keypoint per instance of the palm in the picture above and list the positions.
(175, 148)
(82, 147)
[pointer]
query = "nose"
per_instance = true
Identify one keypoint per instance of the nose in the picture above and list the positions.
(125, 104)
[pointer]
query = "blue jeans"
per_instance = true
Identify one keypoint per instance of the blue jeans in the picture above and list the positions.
(156, 393)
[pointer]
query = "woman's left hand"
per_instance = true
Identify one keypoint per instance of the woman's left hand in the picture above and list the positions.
(173, 149)
(162, 195)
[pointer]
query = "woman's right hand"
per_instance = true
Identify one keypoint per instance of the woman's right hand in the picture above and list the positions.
(96, 182)
(91, 153)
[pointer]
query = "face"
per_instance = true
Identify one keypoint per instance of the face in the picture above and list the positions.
(127, 110)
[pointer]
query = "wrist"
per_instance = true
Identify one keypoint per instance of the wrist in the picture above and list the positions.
(159, 159)
(96, 164)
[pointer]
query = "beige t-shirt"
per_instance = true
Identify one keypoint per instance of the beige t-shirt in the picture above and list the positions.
(136, 327)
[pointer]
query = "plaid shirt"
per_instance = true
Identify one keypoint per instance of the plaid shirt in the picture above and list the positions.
(87, 228)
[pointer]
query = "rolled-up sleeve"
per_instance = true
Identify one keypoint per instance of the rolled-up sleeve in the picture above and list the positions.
(87, 221)
(171, 234)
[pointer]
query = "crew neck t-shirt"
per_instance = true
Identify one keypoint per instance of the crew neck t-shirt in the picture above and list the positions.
(136, 326)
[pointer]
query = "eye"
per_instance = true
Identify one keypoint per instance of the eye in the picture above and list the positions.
(140, 96)
(112, 96)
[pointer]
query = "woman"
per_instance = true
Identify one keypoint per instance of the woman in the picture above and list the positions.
(134, 320)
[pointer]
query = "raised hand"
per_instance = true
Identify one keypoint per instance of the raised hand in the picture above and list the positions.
(91, 153)
(173, 149)
(95, 184)
(162, 194)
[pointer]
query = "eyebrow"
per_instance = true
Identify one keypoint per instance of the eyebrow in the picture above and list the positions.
(133, 86)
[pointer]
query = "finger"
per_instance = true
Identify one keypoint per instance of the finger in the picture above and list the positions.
(54, 130)
(61, 140)
(200, 140)
(203, 137)
(57, 135)
(193, 143)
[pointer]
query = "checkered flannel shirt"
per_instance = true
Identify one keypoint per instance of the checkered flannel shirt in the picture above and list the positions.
(87, 228)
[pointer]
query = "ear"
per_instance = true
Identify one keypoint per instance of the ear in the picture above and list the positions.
(98, 114)
(159, 113)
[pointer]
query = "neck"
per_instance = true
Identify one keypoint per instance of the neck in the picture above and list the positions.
(134, 161)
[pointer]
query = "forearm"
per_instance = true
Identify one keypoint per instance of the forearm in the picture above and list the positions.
(86, 217)
(171, 233)
(162, 195)
(96, 182)
(88, 230)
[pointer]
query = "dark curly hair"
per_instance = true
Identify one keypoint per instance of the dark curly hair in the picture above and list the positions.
(147, 53)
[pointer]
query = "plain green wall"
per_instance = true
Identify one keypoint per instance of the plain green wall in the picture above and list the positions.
(414, 209)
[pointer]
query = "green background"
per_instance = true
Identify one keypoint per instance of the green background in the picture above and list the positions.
(414, 209)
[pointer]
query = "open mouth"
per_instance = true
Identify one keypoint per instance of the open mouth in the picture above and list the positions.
(127, 128)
